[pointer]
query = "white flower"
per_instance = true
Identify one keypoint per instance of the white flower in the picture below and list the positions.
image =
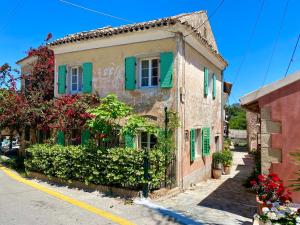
(274, 209)
(298, 219)
(272, 216)
(265, 210)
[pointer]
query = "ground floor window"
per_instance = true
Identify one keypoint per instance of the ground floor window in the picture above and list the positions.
(198, 142)
(76, 137)
(42, 136)
(147, 140)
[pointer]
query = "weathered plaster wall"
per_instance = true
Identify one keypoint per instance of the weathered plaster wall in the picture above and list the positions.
(280, 114)
(200, 112)
(108, 74)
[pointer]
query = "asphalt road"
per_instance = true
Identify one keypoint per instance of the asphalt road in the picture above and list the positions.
(21, 204)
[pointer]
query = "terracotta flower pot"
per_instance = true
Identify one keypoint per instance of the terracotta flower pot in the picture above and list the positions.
(217, 173)
(227, 170)
(260, 206)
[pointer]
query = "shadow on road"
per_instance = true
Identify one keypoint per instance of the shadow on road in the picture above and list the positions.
(232, 196)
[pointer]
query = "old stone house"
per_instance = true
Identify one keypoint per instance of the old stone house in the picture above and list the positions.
(278, 109)
(171, 63)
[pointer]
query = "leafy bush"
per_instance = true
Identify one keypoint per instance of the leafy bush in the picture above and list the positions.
(121, 167)
(217, 159)
(256, 169)
(226, 157)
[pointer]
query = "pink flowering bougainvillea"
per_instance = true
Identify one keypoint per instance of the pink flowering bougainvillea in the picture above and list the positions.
(69, 112)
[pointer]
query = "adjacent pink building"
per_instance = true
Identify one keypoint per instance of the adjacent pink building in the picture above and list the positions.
(278, 106)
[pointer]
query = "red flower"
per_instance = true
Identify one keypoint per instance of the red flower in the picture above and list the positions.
(253, 182)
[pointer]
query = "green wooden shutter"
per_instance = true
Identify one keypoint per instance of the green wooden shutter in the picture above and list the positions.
(87, 77)
(130, 77)
(62, 75)
(214, 91)
(205, 82)
(205, 141)
(192, 144)
(129, 141)
(166, 69)
(85, 136)
(60, 139)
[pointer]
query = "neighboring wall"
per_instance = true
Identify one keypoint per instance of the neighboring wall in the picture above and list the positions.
(200, 112)
(108, 74)
(252, 127)
(280, 125)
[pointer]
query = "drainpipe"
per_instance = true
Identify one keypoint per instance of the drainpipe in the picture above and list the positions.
(222, 108)
(180, 137)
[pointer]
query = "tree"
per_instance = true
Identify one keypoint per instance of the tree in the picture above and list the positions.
(29, 106)
(236, 117)
(70, 112)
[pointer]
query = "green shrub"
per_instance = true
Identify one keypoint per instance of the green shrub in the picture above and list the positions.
(122, 167)
(226, 157)
(217, 159)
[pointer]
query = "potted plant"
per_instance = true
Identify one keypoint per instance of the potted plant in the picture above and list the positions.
(269, 188)
(227, 159)
(217, 170)
(276, 213)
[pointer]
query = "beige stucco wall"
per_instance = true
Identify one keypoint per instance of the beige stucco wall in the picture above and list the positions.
(201, 112)
(108, 74)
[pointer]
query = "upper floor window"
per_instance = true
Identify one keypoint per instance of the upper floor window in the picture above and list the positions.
(76, 79)
(149, 70)
(147, 140)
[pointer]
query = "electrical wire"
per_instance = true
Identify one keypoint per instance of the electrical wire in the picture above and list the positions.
(96, 11)
(275, 45)
(292, 57)
(249, 42)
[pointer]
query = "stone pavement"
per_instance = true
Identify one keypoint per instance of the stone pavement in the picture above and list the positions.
(219, 202)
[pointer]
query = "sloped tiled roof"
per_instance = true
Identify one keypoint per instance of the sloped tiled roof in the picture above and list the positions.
(163, 22)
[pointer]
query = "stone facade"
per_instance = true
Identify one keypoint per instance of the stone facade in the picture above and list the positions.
(252, 130)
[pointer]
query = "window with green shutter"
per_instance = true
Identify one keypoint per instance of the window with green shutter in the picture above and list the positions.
(166, 69)
(87, 77)
(214, 90)
(206, 141)
(130, 73)
(60, 139)
(129, 141)
(205, 82)
(85, 136)
(192, 144)
(62, 75)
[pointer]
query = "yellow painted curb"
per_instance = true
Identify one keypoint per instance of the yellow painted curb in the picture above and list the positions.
(72, 201)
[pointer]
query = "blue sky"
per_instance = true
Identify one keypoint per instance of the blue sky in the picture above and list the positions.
(25, 23)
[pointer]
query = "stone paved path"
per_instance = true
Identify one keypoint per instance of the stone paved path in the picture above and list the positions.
(219, 202)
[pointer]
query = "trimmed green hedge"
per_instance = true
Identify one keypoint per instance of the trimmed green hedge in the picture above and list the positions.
(122, 167)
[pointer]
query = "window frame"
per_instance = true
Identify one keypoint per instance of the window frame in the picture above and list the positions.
(149, 59)
(79, 69)
(198, 143)
(148, 140)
